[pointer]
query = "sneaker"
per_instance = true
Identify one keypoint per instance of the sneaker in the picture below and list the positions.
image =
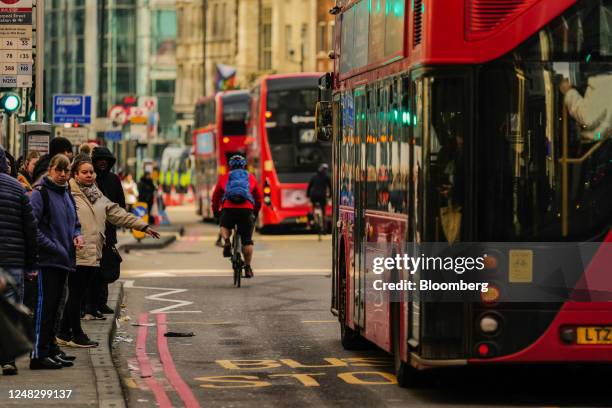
(248, 272)
(9, 369)
(64, 363)
(45, 363)
(88, 316)
(65, 356)
(82, 342)
(227, 251)
(104, 309)
(62, 339)
(98, 315)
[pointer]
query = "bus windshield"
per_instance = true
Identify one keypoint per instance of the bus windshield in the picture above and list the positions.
(235, 109)
(290, 128)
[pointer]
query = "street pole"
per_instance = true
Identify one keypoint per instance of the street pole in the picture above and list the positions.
(205, 15)
(40, 59)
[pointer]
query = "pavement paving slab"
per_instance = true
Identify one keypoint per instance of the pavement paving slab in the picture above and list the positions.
(91, 382)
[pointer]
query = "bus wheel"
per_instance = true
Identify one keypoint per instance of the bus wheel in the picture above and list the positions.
(407, 376)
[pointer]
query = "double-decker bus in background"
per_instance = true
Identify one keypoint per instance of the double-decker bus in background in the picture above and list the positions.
(470, 121)
(220, 132)
(284, 152)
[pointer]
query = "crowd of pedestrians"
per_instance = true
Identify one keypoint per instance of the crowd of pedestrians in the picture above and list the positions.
(58, 219)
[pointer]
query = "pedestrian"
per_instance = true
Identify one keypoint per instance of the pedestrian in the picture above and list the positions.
(110, 185)
(59, 235)
(58, 145)
(130, 189)
(94, 210)
(12, 165)
(18, 244)
(146, 191)
(85, 148)
(26, 173)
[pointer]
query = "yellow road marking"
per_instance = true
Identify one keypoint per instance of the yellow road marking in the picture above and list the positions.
(130, 383)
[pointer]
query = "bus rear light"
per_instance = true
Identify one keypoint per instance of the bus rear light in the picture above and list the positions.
(483, 350)
(491, 296)
(489, 324)
(268, 114)
(267, 190)
(568, 335)
(490, 262)
(226, 139)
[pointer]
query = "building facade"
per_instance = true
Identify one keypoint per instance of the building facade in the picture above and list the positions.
(325, 35)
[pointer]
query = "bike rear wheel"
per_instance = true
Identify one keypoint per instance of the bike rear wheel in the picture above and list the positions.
(236, 258)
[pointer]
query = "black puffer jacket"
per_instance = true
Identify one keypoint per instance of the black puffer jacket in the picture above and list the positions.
(110, 185)
(18, 245)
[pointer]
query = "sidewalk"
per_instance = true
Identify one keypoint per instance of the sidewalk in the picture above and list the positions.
(93, 380)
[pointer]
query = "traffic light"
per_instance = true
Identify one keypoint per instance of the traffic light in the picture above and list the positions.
(32, 116)
(10, 102)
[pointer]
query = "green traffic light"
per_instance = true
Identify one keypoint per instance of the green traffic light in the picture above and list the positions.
(33, 116)
(10, 102)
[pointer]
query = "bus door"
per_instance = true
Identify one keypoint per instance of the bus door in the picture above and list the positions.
(359, 232)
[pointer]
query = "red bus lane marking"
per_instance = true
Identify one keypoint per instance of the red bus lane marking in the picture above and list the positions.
(172, 374)
(146, 371)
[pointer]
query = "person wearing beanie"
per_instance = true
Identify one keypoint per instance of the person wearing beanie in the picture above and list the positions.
(58, 145)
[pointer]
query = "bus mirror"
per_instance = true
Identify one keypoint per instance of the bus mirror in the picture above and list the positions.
(323, 121)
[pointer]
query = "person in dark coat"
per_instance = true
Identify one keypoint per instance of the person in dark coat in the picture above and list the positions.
(319, 187)
(146, 191)
(59, 235)
(58, 145)
(110, 185)
(18, 242)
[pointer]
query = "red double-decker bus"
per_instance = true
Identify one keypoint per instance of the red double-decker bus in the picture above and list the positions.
(220, 132)
(471, 121)
(285, 152)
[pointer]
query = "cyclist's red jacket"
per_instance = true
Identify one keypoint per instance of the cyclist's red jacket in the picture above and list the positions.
(217, 205)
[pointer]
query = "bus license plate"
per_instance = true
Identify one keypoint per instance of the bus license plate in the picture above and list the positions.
(594, 335)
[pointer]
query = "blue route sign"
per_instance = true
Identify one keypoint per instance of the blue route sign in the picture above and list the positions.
(71, 109)
(113, 136)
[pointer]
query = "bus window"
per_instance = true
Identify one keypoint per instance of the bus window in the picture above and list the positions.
(445, 158)
(235, 108)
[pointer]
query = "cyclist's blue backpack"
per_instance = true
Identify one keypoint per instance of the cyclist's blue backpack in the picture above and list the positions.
(238, 188)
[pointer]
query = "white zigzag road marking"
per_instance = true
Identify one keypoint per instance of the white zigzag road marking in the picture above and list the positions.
(161, 297)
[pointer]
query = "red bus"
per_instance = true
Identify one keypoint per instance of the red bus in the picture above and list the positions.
(285, 152)
(465, 122)
(221, 132)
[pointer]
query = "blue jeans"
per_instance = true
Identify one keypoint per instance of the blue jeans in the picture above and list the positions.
(17, 275)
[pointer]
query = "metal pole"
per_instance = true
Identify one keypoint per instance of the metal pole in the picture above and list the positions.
(40, 59)
(205, 15)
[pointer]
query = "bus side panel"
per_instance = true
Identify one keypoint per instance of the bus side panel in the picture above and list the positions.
(348, 218)
(384, 238)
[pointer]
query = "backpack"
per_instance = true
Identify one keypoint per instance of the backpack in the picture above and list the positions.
(44, 194)
(238, 187)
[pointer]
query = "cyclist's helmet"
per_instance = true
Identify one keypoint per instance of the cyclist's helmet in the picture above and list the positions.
(237, 162)
(323, 167)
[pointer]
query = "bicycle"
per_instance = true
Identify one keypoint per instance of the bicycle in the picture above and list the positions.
(318, 220)
(236, 258)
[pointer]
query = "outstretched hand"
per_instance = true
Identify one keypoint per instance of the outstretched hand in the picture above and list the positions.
(79, 242)
(152, 233)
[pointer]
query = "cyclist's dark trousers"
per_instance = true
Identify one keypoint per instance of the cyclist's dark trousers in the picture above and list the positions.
(242, 217)
(321, 201)
(50, 288)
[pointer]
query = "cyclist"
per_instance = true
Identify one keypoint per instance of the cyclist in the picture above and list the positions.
(319, 188)
(238, 199)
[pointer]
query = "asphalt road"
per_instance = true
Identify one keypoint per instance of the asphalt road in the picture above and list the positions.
(274, 343)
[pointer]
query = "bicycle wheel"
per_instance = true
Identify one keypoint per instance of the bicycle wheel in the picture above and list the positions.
(236, 258)
(318, 219)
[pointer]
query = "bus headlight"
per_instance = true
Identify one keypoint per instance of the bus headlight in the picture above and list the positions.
(489, 324)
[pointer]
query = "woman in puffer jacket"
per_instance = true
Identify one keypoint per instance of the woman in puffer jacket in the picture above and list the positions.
(94, 210)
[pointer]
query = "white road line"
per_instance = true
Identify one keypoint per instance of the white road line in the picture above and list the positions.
(161, 297)
(152, 273)
(259, 238)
